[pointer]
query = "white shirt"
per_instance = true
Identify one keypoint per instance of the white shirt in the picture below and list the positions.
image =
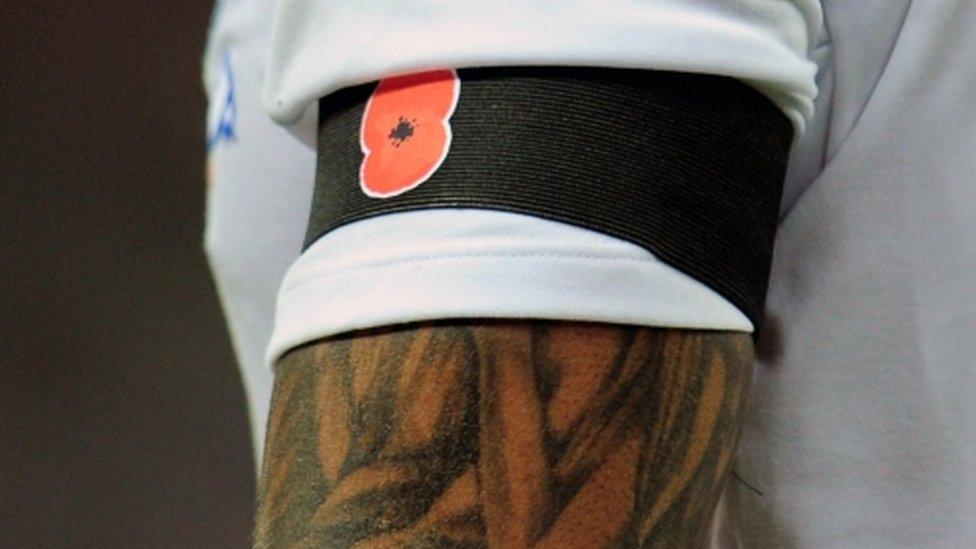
(861, 433)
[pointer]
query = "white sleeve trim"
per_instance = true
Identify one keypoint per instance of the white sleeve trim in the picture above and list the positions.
(465, 263)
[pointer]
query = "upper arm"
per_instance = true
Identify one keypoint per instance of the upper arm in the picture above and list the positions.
(516, 433)
(502, 433)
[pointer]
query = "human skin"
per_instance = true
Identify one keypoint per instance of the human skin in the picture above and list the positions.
(498, 433)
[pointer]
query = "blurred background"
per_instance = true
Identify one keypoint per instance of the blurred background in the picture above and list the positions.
(122, 417)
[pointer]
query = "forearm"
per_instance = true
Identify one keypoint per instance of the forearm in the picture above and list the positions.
(502, 433)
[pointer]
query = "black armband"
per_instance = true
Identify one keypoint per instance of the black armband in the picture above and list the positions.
(688, 166)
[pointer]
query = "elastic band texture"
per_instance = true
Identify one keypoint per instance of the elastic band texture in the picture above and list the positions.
(688, 166)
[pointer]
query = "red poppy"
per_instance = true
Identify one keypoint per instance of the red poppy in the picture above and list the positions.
(406, 133)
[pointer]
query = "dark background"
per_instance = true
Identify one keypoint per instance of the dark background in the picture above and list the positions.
(122, 418)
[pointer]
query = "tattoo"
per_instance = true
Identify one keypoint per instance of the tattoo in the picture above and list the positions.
(502, 434)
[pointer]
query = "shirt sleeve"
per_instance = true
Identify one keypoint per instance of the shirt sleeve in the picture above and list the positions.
(318, 47)
(431, 264)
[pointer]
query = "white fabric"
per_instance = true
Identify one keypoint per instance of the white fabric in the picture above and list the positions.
(862, 431)
(319, 47)
(475, 263)
(258, 195)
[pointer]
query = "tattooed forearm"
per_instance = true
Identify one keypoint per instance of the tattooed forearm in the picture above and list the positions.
(502, 434)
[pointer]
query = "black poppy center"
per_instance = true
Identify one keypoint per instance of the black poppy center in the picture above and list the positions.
(402, 131)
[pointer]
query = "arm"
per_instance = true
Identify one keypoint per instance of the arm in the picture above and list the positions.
(502, 434)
